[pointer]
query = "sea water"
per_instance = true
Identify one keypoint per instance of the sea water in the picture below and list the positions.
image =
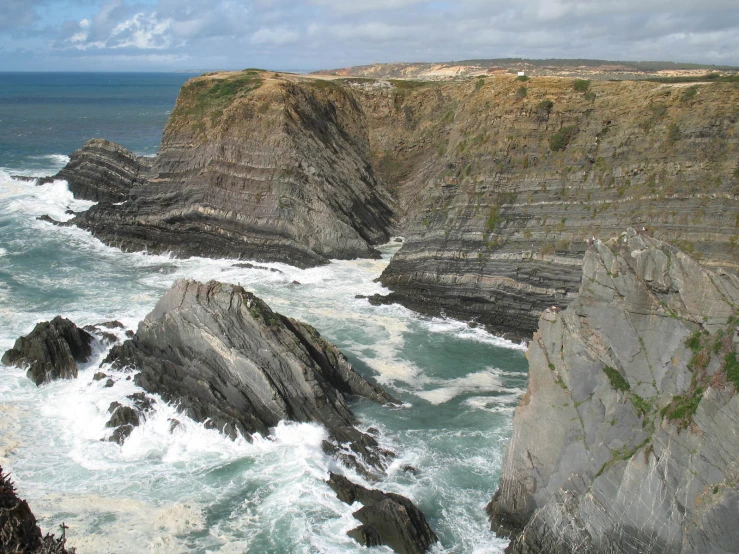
(192, 489)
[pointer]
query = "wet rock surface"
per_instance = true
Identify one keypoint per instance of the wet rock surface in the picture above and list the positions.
(52, 350)
(228, 359)
(387, 518)
(19, 531)
(625, 440)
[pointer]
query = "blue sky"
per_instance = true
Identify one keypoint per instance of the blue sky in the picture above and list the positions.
(142, 35)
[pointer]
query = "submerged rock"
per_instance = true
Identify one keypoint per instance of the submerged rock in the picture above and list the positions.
(19, 531)
(626, 438)
(226, 358)
(387, 518)
(51, 350)
(125, 418)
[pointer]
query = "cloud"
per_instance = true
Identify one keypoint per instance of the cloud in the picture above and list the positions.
(311, 34)
(279, 36)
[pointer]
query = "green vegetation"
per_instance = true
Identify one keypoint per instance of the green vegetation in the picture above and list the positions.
(563, 137)
(731, 368)
(480, 83)
(581, 85)
(617, 380)
(522, 78)
(643, 407)
(590, 96)
(521, 92)
(689, 93)
(682, 408)
(545, 107)
(405, 87)
(493, 218)
(673, 133)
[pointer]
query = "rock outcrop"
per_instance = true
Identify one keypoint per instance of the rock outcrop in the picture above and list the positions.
(19, 531)
(499, 182)
(226, 358)
(626, 440)
(103, 171)
(251, 168)
(124, 418)
(387, 518)
(51, 351)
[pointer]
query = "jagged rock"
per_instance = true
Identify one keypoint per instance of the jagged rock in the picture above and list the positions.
(19, 531)
(125, 418)
(103, 171)
(387, 518)
(626, 438)
(226, 358)
(252, 266)
(99, 376)
(51, 350)
(109, 383)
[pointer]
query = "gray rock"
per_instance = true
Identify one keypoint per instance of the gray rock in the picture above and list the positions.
(625, 440)
(387, 518)
(51, 350)
(226, 358)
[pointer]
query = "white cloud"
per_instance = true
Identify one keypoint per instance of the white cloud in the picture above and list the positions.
(278, 36)
(143, 31)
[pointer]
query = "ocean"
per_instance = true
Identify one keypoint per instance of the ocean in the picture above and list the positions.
(194, 490)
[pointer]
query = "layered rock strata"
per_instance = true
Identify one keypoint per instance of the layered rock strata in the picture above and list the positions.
(626, 439)
(19, 531)
(103, 171)
(499, 182)
(227, 359)
(387, 518)
(51, 350)
(251, 168)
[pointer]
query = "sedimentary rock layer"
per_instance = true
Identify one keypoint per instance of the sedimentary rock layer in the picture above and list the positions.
(499, 182)
(258, 169)
(626, 440)
(103, 171)
(226, 358)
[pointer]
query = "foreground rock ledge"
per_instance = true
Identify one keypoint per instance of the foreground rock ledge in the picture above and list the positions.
(626, 440)
(51, 351)
(227, 359)
(387, 518)
(19, 531)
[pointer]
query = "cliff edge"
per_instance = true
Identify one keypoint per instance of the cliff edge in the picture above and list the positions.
(626, 440)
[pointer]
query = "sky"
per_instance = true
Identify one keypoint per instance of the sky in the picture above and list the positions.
(202, 35)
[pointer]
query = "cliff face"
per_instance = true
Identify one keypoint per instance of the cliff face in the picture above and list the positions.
(498, 182)
(502, 181)
(256, 168)
(626, 440)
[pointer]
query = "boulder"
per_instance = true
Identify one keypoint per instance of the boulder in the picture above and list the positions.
(51, 350)
(387, 518)
(227, 359)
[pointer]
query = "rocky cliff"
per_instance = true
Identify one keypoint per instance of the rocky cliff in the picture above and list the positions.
(499, 182)
(249, 167)
(626, 440)
(227, 359)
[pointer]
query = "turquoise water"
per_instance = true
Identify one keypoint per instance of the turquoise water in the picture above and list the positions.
(193, 490)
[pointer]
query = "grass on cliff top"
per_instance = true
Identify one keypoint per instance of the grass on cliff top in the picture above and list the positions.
(201, 97)
(713, 77)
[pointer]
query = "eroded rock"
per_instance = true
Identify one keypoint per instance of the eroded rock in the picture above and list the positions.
(387, 518)
(52, 350)
(227, 358)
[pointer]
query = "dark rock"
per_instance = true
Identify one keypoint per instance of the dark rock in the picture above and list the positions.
(174, 424)
(103, 171)
(276, 368)
(19, 531)
(24, 178)
(109, 383)
(51, 350)
(387, 518)
(295, 283)
(121, 433)
(99, 376)
(398, 240)
(122, 415)
(115, 324)
(49, 219)
(410, 469)
(129, 333)
(248, 265)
